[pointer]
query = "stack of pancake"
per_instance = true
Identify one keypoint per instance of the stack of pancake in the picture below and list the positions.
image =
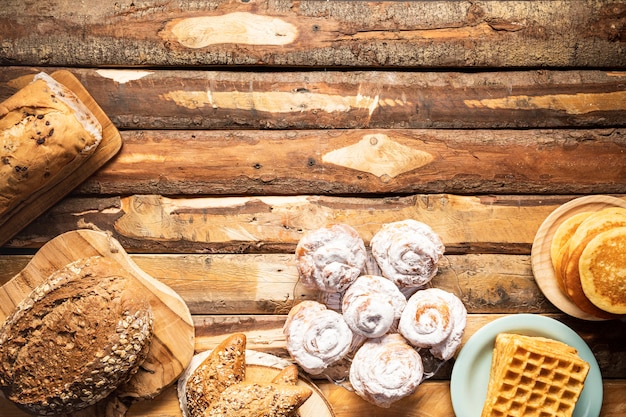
(588, 253)
(533, 376)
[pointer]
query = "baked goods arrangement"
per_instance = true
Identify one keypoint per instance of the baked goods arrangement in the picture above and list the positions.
(588, 254)
(75, 339)
(386, 322)
(85, 330)
(53, 136)
(43, 127)
(215, 384)
(533, 376)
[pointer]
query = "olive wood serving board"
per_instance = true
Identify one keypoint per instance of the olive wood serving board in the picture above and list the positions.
(541, 261)
(172, 345)
(73, 174)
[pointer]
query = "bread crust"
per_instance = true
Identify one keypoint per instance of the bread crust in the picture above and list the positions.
(75, 338)
(249, 399)
(43, 128)
(225, 366)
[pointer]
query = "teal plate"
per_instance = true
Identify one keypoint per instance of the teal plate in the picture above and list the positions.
(470, 375)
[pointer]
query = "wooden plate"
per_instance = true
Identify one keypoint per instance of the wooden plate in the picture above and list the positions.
(540, 255)
(262, 367)
(72, 174)
(172, 345)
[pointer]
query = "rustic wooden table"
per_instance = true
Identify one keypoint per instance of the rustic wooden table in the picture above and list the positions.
(247, 123)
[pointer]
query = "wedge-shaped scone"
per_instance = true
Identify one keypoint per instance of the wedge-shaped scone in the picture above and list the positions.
(259, 400)
(602, 269)
(533, 376)
(225, 366)
(287, 376)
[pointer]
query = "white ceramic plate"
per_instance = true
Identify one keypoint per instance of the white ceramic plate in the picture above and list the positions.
(470, 375)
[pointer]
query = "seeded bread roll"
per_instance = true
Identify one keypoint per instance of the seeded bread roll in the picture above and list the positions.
(75, 338)
(43, 128)
(249, 399)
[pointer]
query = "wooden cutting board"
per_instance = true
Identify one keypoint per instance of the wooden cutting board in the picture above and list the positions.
(72, 174)
(172, 345)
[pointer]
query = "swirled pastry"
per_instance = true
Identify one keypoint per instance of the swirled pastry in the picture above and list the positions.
(371, 305)
(407, 252)
(386, 369)
(330, 258)
(316, 336)
(434, 319)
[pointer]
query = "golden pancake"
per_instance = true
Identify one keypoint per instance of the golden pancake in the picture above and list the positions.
(596, 223)
(602, 269)
(560, 243)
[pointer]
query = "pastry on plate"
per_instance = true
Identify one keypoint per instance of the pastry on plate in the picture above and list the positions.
(316, 336)
(434, 319)
(385, 370)
(407, 252)
(331, 258)
(223, 367)
(250, 399)
(372, 305)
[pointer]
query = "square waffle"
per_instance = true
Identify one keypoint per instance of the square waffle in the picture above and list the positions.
(533, 376)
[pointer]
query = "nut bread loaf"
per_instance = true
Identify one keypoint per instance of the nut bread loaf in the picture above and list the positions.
(75, 338)
(43, 128)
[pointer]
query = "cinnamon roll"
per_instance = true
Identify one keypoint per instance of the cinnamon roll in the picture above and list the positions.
(434, 319)
(372, 305)
(316, 336)
(330, 258)
(407, 252)
(386, 369)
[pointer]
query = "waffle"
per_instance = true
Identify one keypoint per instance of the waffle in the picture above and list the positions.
(533, 377)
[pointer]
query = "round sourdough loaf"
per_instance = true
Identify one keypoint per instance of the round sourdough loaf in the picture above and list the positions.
(75, 338)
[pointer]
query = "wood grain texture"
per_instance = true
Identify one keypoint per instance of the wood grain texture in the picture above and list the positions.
(425, 34)
(248, 123)
(136, 98)
(269, 284)
(364, 161)
(265, 224)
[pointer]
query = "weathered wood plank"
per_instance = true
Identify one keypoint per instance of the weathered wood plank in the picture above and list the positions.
(365, 162)
(426, 34)
(152, 223)
(167, 99)
(269, 284)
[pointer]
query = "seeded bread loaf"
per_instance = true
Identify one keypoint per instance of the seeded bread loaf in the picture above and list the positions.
(75, 338)
(43, 128)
